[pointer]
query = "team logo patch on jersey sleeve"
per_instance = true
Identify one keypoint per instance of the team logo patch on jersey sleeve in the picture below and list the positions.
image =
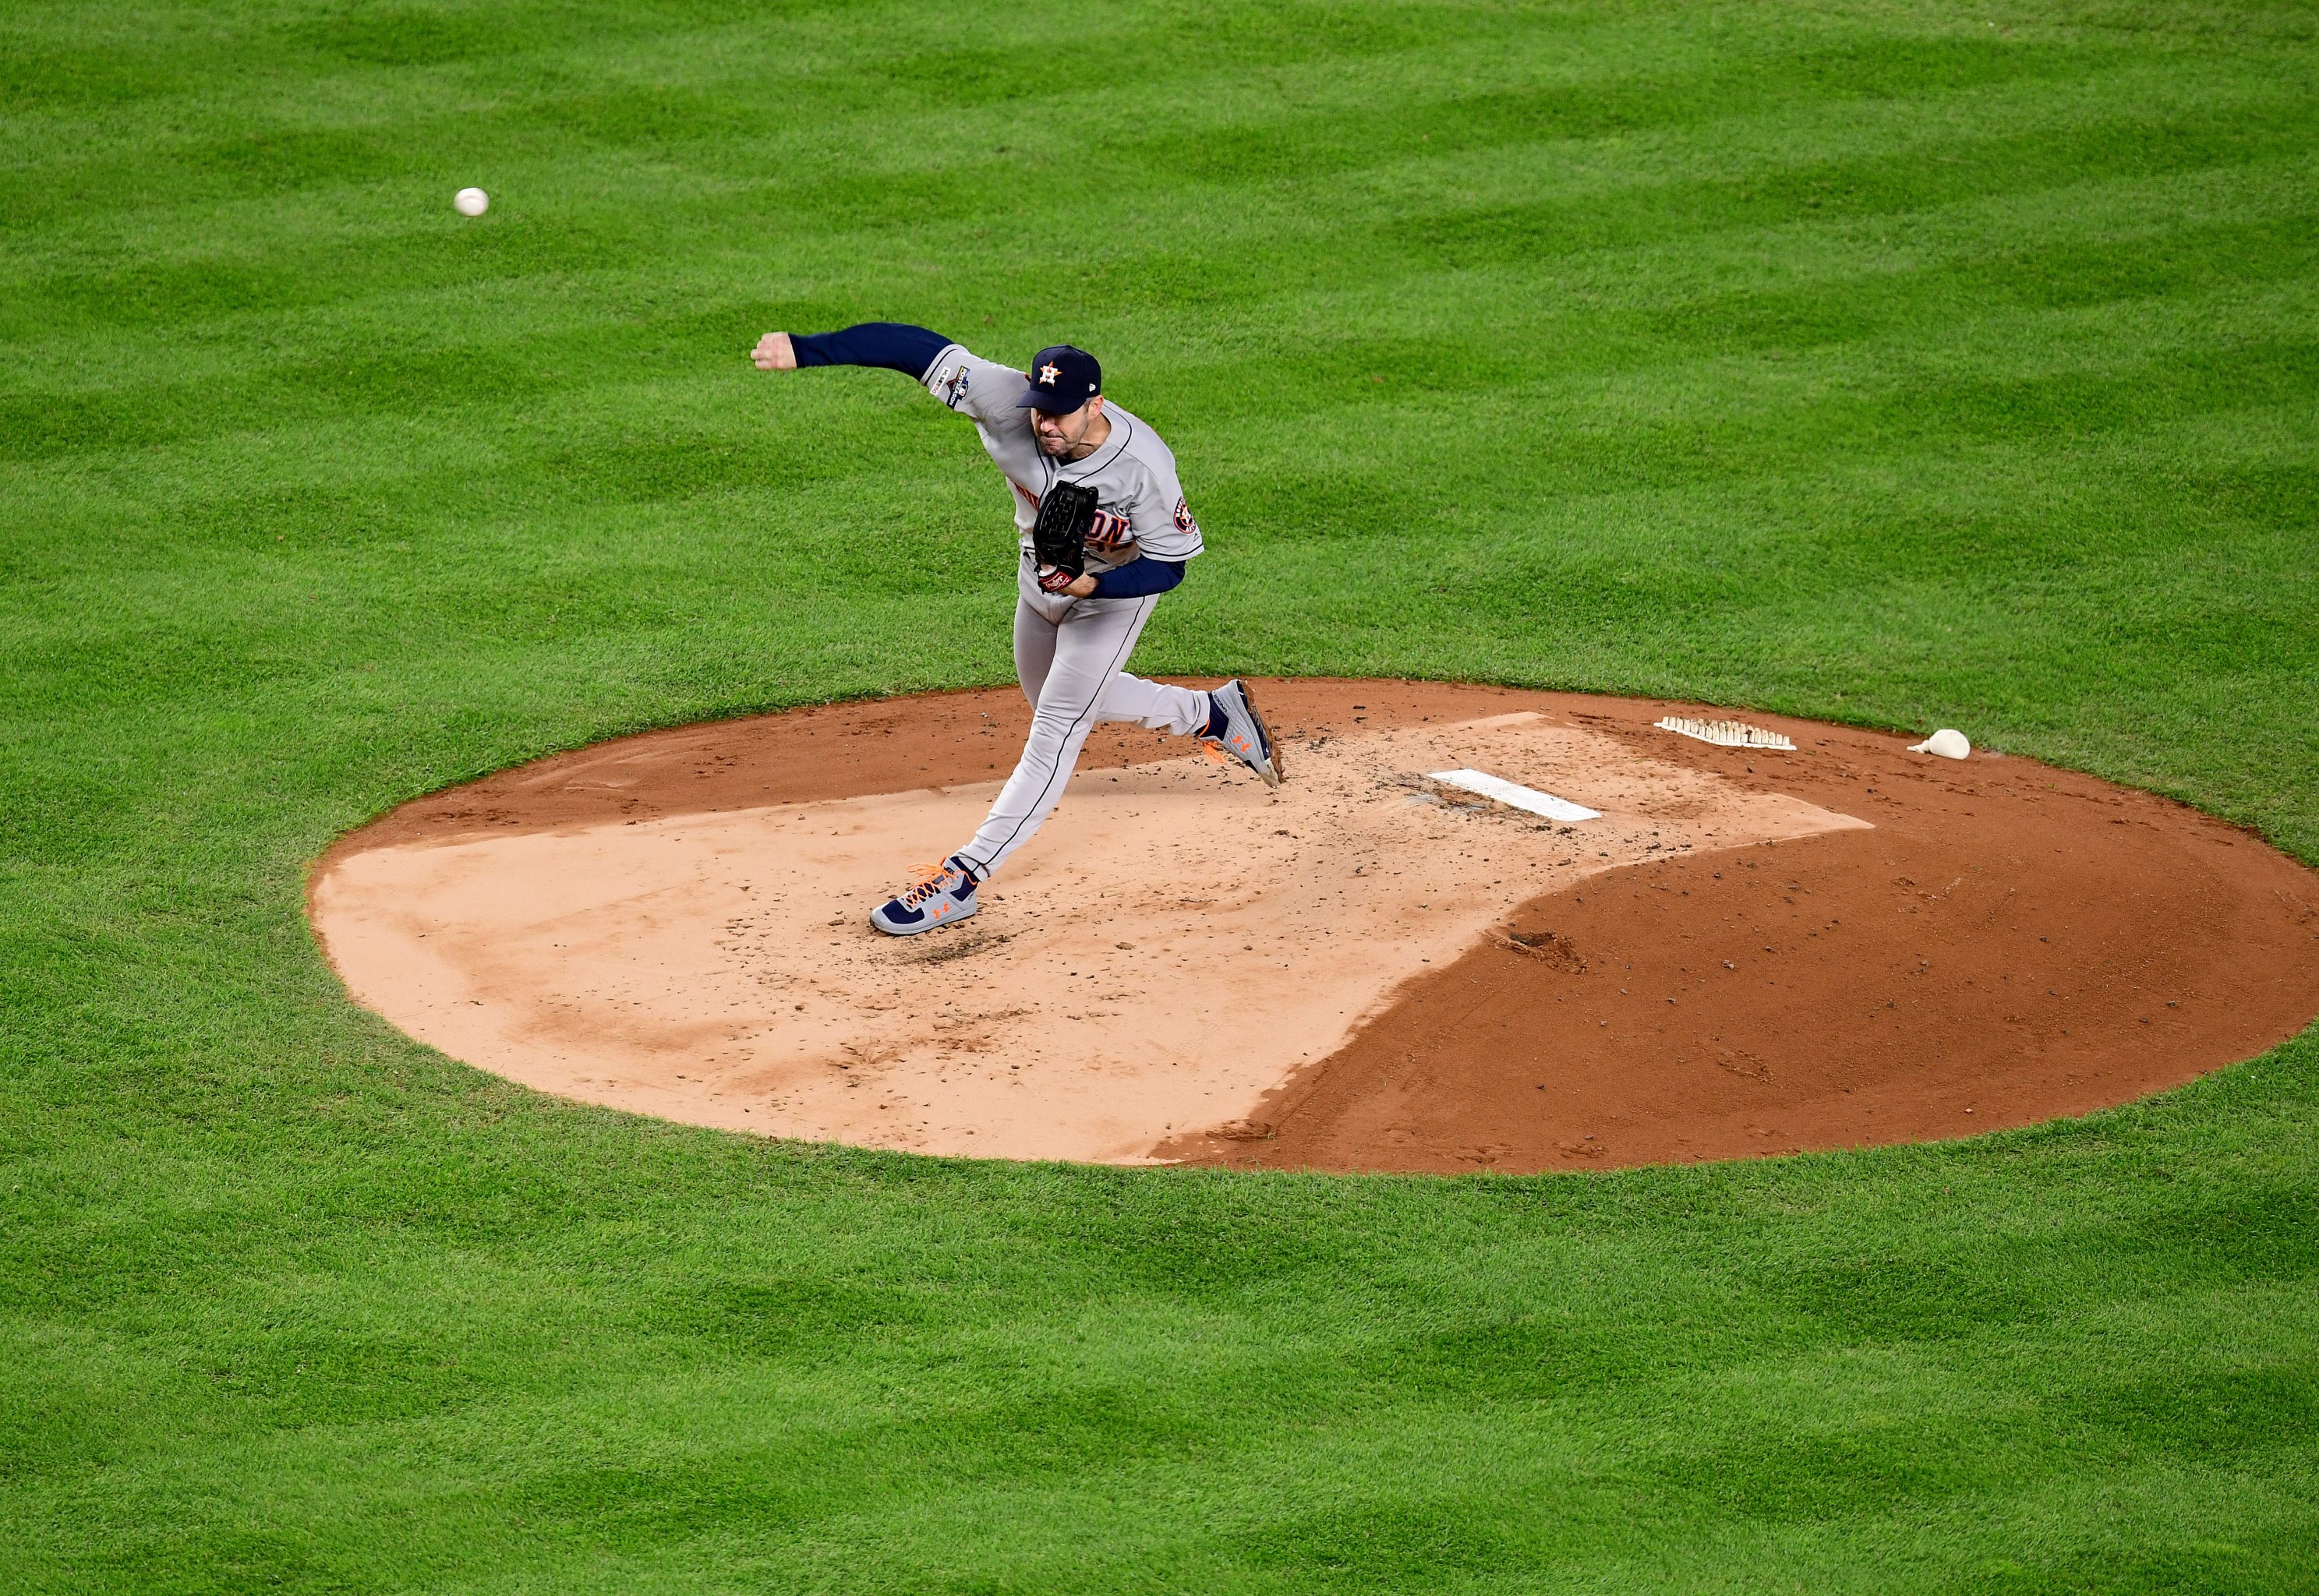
(953, 386)
(1184, 522)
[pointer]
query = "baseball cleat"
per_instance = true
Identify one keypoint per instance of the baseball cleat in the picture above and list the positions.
(1245, 736)
(944, 898)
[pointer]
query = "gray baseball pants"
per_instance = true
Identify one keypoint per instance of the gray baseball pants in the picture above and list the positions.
(1068, 655)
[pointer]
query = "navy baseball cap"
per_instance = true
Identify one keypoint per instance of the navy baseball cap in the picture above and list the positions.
(1063, 377)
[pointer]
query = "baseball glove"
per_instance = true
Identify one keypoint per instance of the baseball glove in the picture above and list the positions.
(1058, 536)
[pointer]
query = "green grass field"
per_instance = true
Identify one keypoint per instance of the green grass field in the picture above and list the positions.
(1901, 363)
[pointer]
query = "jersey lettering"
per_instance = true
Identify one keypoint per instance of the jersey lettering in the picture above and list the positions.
(1110, 530)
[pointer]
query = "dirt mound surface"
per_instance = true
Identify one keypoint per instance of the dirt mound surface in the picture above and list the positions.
(1748, 952)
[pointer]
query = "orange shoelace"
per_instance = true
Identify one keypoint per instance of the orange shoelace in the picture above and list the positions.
(931, 880)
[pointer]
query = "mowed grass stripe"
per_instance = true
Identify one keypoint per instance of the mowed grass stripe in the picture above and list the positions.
(950, 174)
(729, 459)
(1330, 500)
(1056, 1440)
(538, 237)
(365, 377)
(955, 178)
(1602, 444)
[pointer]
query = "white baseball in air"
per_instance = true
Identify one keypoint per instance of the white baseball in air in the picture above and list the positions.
(471, 201)
(1947, 743)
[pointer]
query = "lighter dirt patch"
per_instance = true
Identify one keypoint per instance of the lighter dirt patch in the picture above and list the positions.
(1177, 944)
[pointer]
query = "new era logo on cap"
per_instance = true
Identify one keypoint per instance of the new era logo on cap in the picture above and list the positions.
(1062, 378)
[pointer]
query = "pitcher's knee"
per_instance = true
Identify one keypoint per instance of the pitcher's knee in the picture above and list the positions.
(1057, 722)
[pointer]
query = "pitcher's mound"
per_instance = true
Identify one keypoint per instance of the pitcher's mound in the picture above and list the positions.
(1742, 952)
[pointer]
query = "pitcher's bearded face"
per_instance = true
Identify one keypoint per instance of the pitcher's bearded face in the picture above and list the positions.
(1071, 437)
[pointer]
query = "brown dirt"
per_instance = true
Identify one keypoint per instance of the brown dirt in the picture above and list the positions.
(2007, 944)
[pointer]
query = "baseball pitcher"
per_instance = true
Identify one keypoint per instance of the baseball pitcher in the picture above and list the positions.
(1104, 530)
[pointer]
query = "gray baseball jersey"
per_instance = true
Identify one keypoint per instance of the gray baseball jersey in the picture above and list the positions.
(1140, 507)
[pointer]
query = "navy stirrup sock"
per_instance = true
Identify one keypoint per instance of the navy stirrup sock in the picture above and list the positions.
(1217, 724)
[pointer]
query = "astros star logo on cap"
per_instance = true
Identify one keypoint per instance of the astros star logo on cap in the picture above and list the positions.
(1048, 373)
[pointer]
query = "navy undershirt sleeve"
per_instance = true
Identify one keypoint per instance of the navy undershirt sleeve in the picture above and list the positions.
(1139, 577)
(894, 345)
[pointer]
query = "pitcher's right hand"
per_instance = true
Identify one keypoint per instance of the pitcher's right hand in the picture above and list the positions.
(773, 353)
